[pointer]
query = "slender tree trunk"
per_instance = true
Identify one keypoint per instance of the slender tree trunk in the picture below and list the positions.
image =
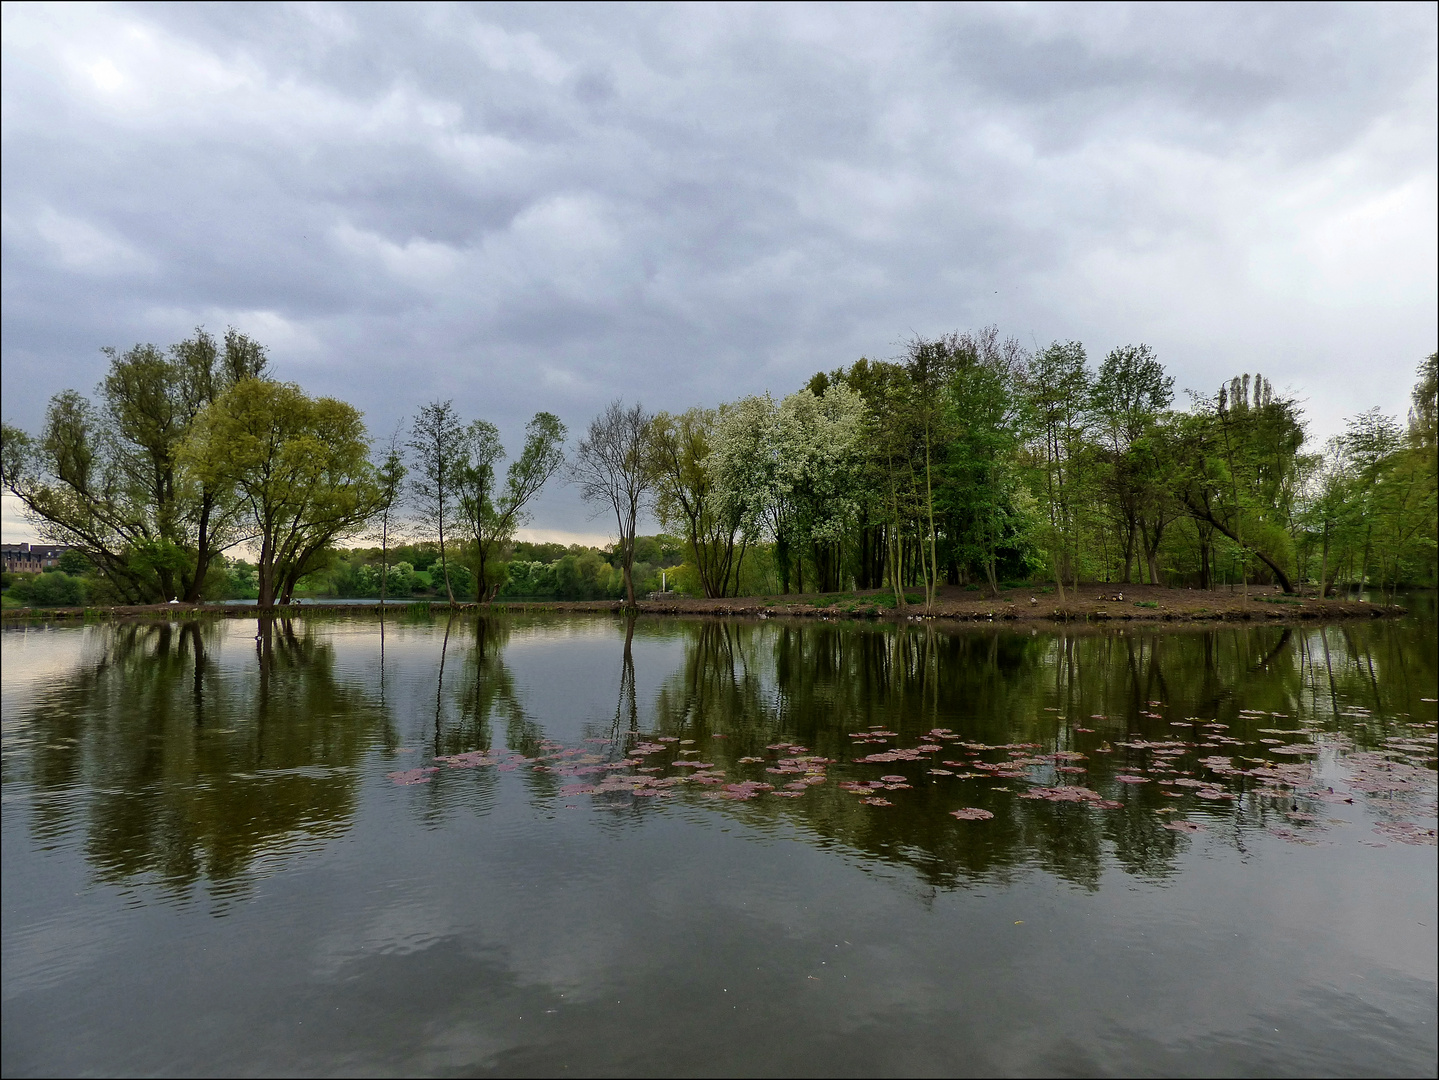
(444, 563)
(933, 584)
(384, 574)
(1324, 564)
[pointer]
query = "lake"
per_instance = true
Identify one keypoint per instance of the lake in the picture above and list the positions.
(544, 844)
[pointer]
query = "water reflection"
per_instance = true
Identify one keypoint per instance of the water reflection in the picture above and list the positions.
(177, 768)
(1086, 696)
(183, 755)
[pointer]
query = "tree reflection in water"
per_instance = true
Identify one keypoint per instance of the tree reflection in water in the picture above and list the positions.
(182, 758)
(817, 684)
(193, 771)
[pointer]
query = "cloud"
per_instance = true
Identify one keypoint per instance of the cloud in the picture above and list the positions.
(545, 208)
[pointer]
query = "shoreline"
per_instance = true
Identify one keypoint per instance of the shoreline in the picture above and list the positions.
(1092, 604)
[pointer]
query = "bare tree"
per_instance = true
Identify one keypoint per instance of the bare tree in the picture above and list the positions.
(613, 470)
(439, 443)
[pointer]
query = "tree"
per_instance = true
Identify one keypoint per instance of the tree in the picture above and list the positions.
(1058, 392)
(929, 367)
(492, 517)
(1129, 398)
(438, 441)
(686, 501)
(981, 492)
(745, 472)
(818, 439)
(103, 477)
(390, 476)
(300, 472)
(1237, 469)
(614, 470)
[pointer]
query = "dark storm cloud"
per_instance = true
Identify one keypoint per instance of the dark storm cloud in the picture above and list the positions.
(544, 207)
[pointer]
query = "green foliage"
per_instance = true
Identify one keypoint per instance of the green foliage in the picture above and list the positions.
(53, 589)
(299, 467)
(105, 476)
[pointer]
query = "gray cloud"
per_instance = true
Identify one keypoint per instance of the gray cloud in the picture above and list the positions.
(545, 207)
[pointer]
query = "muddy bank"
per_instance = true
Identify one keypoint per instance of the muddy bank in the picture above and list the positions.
(1091, 604)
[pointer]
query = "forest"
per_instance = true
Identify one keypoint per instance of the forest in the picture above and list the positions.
(193, 474)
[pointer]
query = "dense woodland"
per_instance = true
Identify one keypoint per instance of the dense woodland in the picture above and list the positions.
(193, 474)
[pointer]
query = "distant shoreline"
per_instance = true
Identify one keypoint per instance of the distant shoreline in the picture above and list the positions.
(1092, 604)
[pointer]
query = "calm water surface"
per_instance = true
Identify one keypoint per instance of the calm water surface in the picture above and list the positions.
(542, 845)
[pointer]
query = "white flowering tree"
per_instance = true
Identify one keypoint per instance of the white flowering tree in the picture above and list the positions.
(794, 470)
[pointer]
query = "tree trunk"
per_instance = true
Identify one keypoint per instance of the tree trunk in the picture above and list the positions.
(203, 554)
(444, 563)
(384, 562)
(266, 573)
(1279, 574)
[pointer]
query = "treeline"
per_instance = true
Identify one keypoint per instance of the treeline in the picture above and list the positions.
(968, 460)
(973, 460)
(529, 571)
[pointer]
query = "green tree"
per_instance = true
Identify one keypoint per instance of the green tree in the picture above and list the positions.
(685, 497)
(492, 516)
(1129, 399)
(439, 442)
(300, 470)
(982, 493)
(1058, 395)
(390, 476)
(103, 477)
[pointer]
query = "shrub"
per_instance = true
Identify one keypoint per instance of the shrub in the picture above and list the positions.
(53, 589)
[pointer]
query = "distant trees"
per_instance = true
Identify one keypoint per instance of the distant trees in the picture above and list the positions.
(967, 459)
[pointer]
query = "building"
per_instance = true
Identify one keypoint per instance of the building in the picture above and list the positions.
(31, 558)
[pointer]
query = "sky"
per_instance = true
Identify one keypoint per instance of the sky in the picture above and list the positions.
(548, 207)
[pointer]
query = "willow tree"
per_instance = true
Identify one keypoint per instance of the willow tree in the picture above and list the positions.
(103, 476)
(299, 469)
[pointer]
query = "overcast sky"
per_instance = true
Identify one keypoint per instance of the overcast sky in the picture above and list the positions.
(536, 207)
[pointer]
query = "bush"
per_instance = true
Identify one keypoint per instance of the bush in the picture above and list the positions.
(402, 579)
(53, 589)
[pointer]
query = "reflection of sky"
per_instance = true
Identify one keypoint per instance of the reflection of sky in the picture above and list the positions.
(31, 657)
